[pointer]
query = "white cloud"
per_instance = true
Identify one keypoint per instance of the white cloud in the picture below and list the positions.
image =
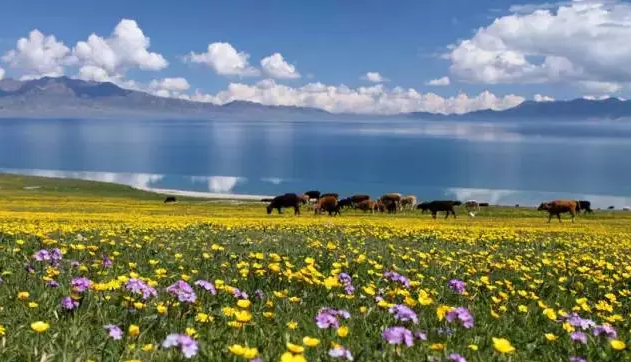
(601, 87)
(177, 84)
(127, 47)
(224, 59)
(369, 100)
(275, 66)
(579, 41)
(374, 77)
(439, 82)
(1, 73)
(219, 184)
(542, 98)
(38, 55)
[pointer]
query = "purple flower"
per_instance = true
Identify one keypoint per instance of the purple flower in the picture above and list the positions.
(81, 284)
(457, 358)
(29, 268)
(421, 336)
(256, 360)
(140, 287)
(187, 345)
(605, 329)
(457, 286)
(55, 254)
(106, 262)
(462, 314)
(345, 278)
(114, 331)
(403, 313)
(579, 337)
(396, 277)
(577, 359)
(239, 294)
(52, 284)
(259, 294)
(182, 291)
(576, 321)
(42, 255)
(69, 304)
(341, 352)
(327, 317)
(398, 335)
(207, 285)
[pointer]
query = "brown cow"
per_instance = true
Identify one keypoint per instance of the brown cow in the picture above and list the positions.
(408, 202)
(391, 202)
(367, 205)
(357, 199)
(558, 207)
(328, 204)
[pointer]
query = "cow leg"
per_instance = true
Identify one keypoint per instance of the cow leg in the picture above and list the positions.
(549, 217)
(559, 217)
(297, 210)
(279, 210)
(447, 215)
(433, 214)
(453, 212)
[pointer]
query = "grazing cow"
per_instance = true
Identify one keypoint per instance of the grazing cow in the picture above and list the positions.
(367, 205)
(328, 204)
(440, 205)
(611, 207)
(391, 202)
(558, 207)
(408, 202)
(357, 199)
(337, 196)
(472, 207)
(286, 200)
(170, 199)
(585, 206)
(484, 204)
(304, 199)
(346, 202)
(313, 195)
(626, 208)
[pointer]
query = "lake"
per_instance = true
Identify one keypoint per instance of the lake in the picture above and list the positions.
(496, 162)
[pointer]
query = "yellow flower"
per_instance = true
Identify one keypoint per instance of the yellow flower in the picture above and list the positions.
(441, 311)
(473, 347)
(148, 347)
(522, 309)
(243, 316)
(369, 290)
(437, 346)
(617, 344)
(162, 310)
(549, 312)
(502, 345)
(342, 331)
(292, 324)
(134, 330)
(310, 342)
(289, 357)
(363, 310)
(294, 348)
(191, 331)
(32, 305)
(551, 337)
(203, 318)
(244, 303)
(237, 349)
(23, 295)
(2, 330)
(250, 353)
(40, 327)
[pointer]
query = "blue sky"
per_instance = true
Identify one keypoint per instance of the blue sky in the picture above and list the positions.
(334, 43)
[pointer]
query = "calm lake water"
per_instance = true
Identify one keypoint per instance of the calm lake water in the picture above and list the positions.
(496, 162)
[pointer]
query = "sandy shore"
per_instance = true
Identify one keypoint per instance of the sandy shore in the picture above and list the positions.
(207, 195)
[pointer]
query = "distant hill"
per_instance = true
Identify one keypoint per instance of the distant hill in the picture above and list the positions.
(72, 98)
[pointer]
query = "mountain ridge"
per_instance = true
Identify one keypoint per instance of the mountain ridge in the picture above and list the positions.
(58, 97)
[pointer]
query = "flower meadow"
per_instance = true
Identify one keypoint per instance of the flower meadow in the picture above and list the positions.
(118, 279)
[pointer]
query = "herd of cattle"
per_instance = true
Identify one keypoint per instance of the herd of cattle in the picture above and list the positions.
(395, 202)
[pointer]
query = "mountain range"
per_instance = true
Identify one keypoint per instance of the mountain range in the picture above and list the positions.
(65, 97)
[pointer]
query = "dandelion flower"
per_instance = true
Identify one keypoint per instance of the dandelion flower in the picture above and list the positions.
(617, 344)
(40, 327)
(503, 345)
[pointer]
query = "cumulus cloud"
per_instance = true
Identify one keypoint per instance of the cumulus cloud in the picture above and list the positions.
(169, 87)
(439, 82)
(374, 77)
(224, 59)
(127, 47)
(369, 100)
(38, 55)
(572, 42)
(542, 98)
(275, 66)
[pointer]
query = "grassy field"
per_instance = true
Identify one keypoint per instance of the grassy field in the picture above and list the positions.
(101, 272)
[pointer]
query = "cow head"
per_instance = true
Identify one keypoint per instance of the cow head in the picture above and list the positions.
(544, 206)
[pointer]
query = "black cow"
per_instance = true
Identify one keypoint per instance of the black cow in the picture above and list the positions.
(440, 205)
(313, 195)
(170, 199)
(484, 204)
(586, 206)
(286, 200)
(346, 202)
(611, 207)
